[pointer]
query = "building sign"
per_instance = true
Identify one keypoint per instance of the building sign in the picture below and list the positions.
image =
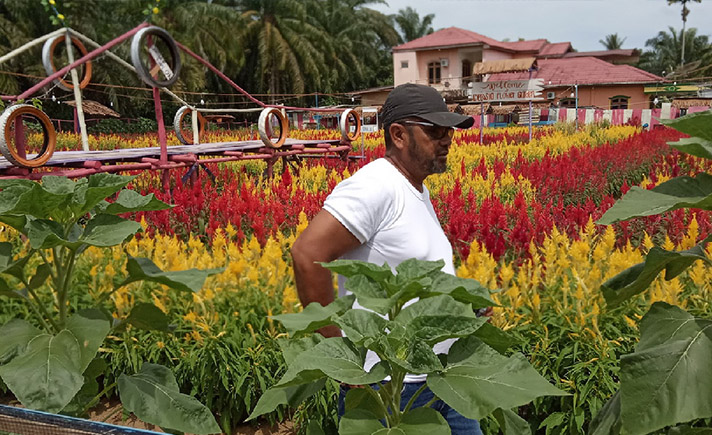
(659, 89)
(369, 121)
(505, 90)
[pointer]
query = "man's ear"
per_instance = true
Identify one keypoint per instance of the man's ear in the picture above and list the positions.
(399, 135)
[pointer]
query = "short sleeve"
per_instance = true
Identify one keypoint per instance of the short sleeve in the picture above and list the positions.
(360, 204)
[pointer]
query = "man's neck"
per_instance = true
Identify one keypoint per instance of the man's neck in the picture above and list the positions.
(417, 183)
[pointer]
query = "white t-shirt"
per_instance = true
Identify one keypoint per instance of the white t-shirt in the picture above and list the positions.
(393, 221)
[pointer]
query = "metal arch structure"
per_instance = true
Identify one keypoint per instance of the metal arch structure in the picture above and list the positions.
(161, 157)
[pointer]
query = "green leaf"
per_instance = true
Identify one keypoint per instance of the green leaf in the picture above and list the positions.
(694, 146)
(45, 234)
(495, 338)
(148, 317)
(477, 380)
(185, 280)
(314, 316)
(7, 291)
(668, 380)
(313, 428)
(47, 375)
(413, 269)
(419, 421)
(90, 327)
(696, 124)
(359, 422)
(291, 395)
(636, 279)
(463, 290)
(132, 201)
(608, 419)
(359, 325)
(107, 230)
(16, 335)
(153, 396)
(41, 274)
(91, 192)
(349, 268)
(411, 354)
(361, 398)
(687, 430)
(291, 348)
(510, 423)
(438, 318)
(371, 294)
(553, 421)
(87, 394)
(337, 358)
(680, 192)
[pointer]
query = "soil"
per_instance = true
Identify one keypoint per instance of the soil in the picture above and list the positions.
(111, 412)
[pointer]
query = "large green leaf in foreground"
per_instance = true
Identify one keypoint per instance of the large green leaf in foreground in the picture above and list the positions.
(680, 192)
(153, 395)
(477, 380)
(419, 421)
(668, 379)
(48, 374)
(636, 279)
(16, 334)
(143, 269)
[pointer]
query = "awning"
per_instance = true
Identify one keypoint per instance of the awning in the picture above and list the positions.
(474, 109)
(505, 110)
(692, 102)
(94, 108)
(504, 66)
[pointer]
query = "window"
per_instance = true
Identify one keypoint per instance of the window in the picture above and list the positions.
(466, 71)
(619, 102)
(434, 72)
(568, 103)
(404, 64)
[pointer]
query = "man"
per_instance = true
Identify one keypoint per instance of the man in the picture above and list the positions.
(383, 214)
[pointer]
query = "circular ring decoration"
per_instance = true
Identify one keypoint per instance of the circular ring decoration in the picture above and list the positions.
(264, 127)
(9, 149)
(186, 136)
(144, 50)
(48, 54)
(344, 124)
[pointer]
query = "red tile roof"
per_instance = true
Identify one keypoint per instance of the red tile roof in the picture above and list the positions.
(555, 49)
(534, 45)
(582, 71)
(451, 36)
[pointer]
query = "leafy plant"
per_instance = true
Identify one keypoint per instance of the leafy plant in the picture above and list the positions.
(47, 368)
(668, 379)
(474, 378)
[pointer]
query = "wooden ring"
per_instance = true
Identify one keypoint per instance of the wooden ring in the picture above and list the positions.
(48, 62)
(264, 128)
(7, 121)
(344, 124)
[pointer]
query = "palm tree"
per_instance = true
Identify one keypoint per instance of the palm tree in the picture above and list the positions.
(410, 24)
(665, 50)
(612, 41)
(685, 11)
(357, 39)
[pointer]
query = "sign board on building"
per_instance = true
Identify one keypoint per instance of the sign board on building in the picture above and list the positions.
(369, 120)
(506, 90)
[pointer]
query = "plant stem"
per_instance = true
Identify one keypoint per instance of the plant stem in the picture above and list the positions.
(415, 396)
(96, 398)
(39, 309)
(48, 263)
(68, 270)
(378, 400)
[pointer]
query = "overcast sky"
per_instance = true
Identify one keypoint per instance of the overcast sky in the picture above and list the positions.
(581, 22)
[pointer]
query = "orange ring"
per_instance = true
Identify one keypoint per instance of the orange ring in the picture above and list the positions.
(185, 133)
(48, 145)
(263, 127)
(87, 66)
(343, 123)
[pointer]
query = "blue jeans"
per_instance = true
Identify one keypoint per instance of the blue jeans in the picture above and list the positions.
(459, 425)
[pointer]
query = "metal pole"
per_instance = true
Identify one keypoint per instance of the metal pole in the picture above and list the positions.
(577, 120)
(77, 93)
(317, 116)
(530, 109)
(482, 122)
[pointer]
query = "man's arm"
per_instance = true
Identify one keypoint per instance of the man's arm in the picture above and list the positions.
(324, 240)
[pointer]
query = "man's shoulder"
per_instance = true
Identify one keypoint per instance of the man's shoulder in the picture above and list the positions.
(377, 172)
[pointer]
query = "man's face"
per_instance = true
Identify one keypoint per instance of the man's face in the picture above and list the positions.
(429, 146)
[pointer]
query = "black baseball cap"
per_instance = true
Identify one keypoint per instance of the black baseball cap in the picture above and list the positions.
(412, 100)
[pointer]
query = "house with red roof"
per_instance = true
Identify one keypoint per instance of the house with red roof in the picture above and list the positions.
(445, 60)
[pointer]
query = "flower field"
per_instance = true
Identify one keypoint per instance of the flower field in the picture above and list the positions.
(521, 217)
